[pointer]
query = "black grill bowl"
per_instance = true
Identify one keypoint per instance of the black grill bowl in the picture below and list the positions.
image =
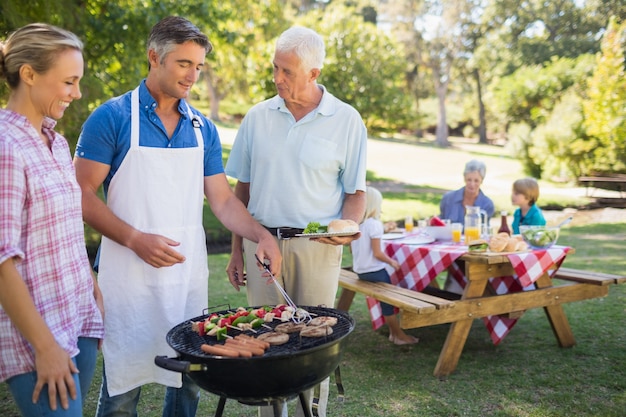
(282, 372)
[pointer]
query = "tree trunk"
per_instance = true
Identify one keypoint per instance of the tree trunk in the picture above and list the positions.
(442, 122)
(214, 97)
(412, 79)
(482, 127)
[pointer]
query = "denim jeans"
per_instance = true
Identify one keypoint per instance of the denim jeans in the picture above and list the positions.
(22, 386)
(179, 402)
(379, 276)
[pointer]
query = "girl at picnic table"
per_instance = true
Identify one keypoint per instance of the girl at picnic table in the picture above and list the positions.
(368, 261)
(525, 195)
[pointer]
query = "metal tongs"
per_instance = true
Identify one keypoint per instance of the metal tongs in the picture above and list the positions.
(299, 315)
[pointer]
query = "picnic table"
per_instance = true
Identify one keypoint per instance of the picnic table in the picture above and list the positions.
(615, 182)
(494, 287)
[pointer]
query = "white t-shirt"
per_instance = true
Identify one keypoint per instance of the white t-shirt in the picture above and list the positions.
(363, 259)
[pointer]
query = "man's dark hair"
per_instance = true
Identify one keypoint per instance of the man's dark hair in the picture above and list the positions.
(175, 30)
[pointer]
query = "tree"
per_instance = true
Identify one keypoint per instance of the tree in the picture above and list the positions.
(114, 57)
(443, 49)
(364, 67)
(605, 108)
(402, 17)
(240, 40)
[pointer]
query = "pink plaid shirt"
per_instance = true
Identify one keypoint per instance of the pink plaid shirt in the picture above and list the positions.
(41, 224)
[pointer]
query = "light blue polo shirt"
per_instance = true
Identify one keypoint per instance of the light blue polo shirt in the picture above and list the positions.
(105, 136)
(299, 171)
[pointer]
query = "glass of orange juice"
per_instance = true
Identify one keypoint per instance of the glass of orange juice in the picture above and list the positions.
(456, 232)
(472, 233)
(408, 224)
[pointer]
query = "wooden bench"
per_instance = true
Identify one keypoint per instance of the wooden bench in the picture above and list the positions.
(588, 277)
(433, 306)
(616, 182)
(436, 306)
(406, 300)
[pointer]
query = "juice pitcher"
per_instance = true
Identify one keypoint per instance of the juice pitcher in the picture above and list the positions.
(473, 222)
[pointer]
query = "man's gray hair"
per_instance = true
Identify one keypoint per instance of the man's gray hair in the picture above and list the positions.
(307, 44)
(475, 166)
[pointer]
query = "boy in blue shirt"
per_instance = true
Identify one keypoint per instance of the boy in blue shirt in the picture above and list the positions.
(525, 195)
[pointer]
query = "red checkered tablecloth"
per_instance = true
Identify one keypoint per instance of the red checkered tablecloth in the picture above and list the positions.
(420, 264)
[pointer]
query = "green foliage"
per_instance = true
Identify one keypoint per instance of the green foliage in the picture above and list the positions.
(520, 144)
(530, 93)
(241, 61)
(534, 58)
(548, 135)
(552, 148)
(363, 67)
(605, 108)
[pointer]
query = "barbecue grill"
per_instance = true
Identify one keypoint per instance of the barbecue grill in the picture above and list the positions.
(282, 373)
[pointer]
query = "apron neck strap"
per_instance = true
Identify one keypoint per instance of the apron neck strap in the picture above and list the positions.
(134, 121)
(134, 118)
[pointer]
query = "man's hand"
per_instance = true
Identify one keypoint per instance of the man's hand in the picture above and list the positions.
(156, 250)
(337, 240)
(267, 249)
(235, 270)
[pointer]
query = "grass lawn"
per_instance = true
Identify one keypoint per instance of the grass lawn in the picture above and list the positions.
(527, 375)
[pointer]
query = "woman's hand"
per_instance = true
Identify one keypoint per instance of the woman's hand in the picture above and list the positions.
(55, 369)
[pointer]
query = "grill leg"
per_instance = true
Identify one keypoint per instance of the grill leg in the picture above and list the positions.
(278, 406)
(220, 407)
(305, 406)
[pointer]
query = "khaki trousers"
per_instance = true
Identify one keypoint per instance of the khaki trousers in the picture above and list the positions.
(310, 276)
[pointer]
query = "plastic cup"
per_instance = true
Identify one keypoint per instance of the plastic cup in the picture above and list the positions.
(456, 232)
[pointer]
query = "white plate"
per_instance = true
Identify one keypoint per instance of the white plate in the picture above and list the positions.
(333, 234)
(418, 240)
(390, 236)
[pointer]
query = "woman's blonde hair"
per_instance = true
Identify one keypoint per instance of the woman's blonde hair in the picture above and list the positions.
(37, 45)
(374, 203)
(529, 188)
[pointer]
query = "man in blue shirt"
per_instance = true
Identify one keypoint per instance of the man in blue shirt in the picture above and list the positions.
(157, 159)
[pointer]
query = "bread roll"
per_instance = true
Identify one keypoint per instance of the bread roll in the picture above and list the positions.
(498, 242)
(521, 246)
(511, 245)
(343, 226)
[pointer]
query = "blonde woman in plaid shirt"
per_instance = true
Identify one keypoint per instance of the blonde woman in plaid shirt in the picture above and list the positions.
(50, 304)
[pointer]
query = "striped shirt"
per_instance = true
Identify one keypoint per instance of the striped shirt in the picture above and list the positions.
(41, 226)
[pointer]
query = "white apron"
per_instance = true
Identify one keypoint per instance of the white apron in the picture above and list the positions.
(155, 190)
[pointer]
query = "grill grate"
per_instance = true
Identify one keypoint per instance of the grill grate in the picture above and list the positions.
(186, 341)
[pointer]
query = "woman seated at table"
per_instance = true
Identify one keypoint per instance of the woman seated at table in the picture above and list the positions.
(369, 260)
(452, 205)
